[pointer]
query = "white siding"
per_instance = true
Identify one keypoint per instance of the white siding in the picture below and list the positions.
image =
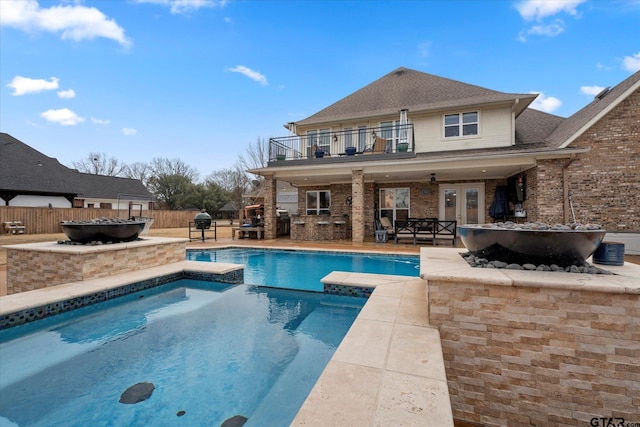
(39, 201)
(495, 131)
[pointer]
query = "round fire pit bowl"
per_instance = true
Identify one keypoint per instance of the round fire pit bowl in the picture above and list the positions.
(105, 231)
(520, 245)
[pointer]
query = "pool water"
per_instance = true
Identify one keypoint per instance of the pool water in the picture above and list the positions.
(304, 269)
(213, 351)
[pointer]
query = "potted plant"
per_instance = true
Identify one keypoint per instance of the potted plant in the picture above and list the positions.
(319, 154)
(280, 157)
(402, 147)
(350, 151)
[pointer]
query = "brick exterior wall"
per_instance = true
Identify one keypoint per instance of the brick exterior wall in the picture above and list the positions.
(36, 269)
(548, 194)
(270, 227)
(537, 356)
(605, 183)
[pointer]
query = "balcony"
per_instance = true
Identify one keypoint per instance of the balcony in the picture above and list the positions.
(346, 145)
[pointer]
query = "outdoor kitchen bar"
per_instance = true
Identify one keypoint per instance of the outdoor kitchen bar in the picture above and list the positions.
(320, 227)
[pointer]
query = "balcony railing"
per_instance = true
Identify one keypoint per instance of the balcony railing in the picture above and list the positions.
(354, 142)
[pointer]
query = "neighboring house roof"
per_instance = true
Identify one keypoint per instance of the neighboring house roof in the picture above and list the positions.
(109, 187)
(24, 170)
(409, 89)
(28, 171)
(576, 124)
(230, 207)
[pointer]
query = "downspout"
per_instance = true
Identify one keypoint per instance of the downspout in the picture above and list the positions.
(566, 193)
(513, 121)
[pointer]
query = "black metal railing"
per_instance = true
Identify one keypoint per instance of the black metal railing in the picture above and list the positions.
(351, 142)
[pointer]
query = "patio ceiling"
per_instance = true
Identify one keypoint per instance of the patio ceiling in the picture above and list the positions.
(413, 170)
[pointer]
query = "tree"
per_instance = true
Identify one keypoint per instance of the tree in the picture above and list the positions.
(234, 182)
(256, 156)
(100, 164)
(208, 196)
(138, 170)
(173, 182)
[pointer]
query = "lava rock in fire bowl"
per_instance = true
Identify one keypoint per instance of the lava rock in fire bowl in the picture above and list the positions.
(534, 243)
(105, 230)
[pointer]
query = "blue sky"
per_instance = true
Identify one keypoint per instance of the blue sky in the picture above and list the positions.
(201, 80)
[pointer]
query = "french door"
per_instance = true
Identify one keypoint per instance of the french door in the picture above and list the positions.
(462, 202)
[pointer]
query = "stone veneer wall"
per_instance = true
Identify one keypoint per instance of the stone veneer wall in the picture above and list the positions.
(538, 356)
(39, 268)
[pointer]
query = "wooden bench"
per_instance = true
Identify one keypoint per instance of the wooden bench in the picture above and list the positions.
(425, 229)
(13, 227)
(244, 232)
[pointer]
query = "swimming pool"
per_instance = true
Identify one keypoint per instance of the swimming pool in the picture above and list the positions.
(304, 269)
(212, 352)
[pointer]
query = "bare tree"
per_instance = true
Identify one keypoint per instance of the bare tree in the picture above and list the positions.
(235, 182)
(100, 164)
(256, 155)
(138, 170)
(175, 166)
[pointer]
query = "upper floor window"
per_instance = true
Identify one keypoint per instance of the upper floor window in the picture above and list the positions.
(318, 140)
(318, 202)
(461, 124)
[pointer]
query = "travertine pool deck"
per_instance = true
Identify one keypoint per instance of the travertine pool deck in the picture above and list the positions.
(388, 370)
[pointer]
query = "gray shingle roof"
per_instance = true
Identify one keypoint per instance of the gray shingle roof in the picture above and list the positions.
(572, 125)
(414, 90)
(24, 170)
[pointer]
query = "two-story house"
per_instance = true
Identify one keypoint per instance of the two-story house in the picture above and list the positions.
(412, 144)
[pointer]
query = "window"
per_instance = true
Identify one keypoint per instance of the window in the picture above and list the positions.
(461, 124)
(348, 137)
(394, 203)
(362, 138)
(318, 202)
(321, 139)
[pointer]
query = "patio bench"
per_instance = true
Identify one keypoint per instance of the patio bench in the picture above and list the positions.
(14, 227)
(425, 229)
(245, 232)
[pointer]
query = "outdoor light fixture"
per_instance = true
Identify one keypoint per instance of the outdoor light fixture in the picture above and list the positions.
(335, 138)
(39, 163)
(373, 134)
(433, 178)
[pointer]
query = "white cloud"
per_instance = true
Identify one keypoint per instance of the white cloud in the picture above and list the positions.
(424, 48)
(100, 121)
(66, 94)
(550, 30)
(591, 90)
(546, 104)
(63, 116)
(537, 10)
(74, 22)
(543, 10)
(129, 131)
(253, 75)
(631, 63)
(186, 6)
(24, 85)
(601, 67)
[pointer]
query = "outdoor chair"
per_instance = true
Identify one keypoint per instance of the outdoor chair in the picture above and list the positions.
(385, 223)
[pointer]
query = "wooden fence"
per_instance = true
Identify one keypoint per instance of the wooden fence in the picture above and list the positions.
(45, 220)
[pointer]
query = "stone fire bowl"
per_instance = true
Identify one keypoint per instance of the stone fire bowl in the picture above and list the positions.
(102, 232)
(560, 247)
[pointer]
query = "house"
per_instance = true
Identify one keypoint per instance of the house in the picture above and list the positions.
(28, 178)
(412, 144)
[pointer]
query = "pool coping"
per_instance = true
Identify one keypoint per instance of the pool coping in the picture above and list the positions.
(388, 369)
